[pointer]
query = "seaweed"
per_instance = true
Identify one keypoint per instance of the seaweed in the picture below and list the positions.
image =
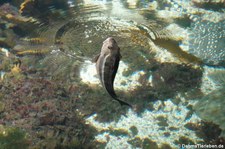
(13, 138)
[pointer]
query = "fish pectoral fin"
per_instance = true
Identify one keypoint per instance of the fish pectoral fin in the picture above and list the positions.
(94, 60)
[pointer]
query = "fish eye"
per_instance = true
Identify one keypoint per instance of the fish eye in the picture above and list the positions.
(110, 47)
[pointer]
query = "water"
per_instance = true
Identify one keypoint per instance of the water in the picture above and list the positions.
(171, 71)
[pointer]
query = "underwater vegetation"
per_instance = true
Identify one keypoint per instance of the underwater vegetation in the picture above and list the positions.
(12, 14)
(13, 22)
(12, 138)
(46, 114)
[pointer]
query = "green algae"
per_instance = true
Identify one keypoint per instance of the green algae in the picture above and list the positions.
(135, 142)
(149, 144)
(13, 138)
(165, 146)
(1, 96)
(162, 121)
(60, 143)
(2, 106)
(184, 140)
(59, 125)
(134, 130)
(100, 145)
(118, 132)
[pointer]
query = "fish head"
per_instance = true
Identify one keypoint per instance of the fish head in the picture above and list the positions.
(110, 46)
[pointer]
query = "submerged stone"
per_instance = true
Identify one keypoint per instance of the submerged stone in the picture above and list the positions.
(211, 106)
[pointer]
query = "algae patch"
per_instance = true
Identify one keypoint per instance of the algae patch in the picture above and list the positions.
(13, 138)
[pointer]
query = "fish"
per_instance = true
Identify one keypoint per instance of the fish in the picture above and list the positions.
(207, 41)
(107, 63)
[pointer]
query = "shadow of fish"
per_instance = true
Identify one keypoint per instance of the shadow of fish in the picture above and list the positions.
(107, 63)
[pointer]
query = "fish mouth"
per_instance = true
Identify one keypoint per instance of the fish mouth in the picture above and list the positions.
(111, 40)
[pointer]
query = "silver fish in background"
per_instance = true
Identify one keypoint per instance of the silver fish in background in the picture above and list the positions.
(107, 63)
(207, 41)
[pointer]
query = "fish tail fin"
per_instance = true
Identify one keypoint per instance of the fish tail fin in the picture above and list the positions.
(113, 95)
(123, 103)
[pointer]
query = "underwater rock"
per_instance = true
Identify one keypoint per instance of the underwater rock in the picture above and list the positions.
(170, 78)
(211, 107)
(12, 14)
(12, 20)
(7, 38)
(209, 131)
(43, 9)
(210, 4)
(147, 138)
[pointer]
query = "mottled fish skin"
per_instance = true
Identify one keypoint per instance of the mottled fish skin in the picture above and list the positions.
(207, 41)
(107, 63)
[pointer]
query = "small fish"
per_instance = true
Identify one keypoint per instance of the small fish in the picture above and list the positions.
(107, 63)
